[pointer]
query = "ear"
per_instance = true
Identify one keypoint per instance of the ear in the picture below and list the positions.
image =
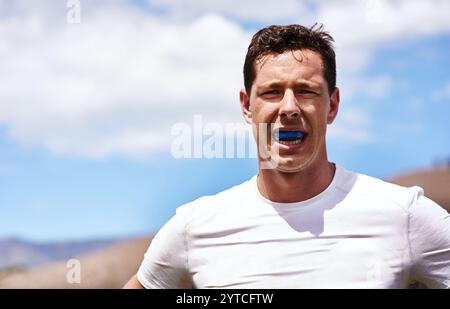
(334, 106)
(245, 105)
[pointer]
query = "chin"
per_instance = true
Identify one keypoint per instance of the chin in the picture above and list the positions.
(290, 166)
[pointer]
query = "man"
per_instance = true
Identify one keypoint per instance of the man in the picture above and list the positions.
(305, 222)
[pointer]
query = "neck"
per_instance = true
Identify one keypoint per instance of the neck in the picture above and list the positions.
(283, 187)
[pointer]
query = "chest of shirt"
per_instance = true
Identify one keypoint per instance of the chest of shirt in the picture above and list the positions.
(332, 250)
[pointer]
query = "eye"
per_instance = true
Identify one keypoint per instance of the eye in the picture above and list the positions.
(307, 93)
(271, 92)
(304, 91)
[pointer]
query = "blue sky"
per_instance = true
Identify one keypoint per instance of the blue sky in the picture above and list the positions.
(86, 109)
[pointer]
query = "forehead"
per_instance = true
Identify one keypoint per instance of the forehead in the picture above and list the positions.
(298, 65)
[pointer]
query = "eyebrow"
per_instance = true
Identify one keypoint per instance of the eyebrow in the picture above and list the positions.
(277, 84)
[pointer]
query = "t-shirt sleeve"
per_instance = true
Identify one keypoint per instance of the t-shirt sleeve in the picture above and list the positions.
(429, 236)
(165, 264)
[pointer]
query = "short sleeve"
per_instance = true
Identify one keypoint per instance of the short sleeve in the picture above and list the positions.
(429, 237)
(165, 264)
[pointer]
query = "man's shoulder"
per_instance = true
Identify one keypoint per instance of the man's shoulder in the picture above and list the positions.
(381, 190)
(211, 204)
(380, 186)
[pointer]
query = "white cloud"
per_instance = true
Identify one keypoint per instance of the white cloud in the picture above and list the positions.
(361, 28)
(352, 125)
(375, 87)
(115, 83)
(254, 10)
(442, 94)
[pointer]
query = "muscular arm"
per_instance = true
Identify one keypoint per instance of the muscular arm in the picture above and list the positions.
(133, 283)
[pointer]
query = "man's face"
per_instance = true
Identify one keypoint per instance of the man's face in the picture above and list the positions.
(291, 93)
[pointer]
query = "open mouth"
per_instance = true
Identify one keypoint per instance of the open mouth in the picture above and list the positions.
(289, 137)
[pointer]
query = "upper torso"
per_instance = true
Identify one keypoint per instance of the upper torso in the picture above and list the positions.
(355, 234)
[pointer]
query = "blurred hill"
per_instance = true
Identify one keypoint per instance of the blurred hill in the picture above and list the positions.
(434, 181)
(19, 253)
(106, 268)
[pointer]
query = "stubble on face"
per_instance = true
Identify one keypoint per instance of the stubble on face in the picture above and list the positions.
(291, 75)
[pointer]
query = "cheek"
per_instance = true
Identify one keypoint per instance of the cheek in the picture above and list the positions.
(264, 112)
(315, 117)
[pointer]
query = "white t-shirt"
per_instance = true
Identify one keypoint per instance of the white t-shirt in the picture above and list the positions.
(360, 232)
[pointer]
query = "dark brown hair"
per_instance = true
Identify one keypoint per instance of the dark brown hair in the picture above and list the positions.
(279, 39)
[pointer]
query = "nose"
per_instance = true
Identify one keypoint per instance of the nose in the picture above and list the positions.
(289, 106)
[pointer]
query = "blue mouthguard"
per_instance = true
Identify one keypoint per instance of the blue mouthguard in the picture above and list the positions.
(290, 135)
